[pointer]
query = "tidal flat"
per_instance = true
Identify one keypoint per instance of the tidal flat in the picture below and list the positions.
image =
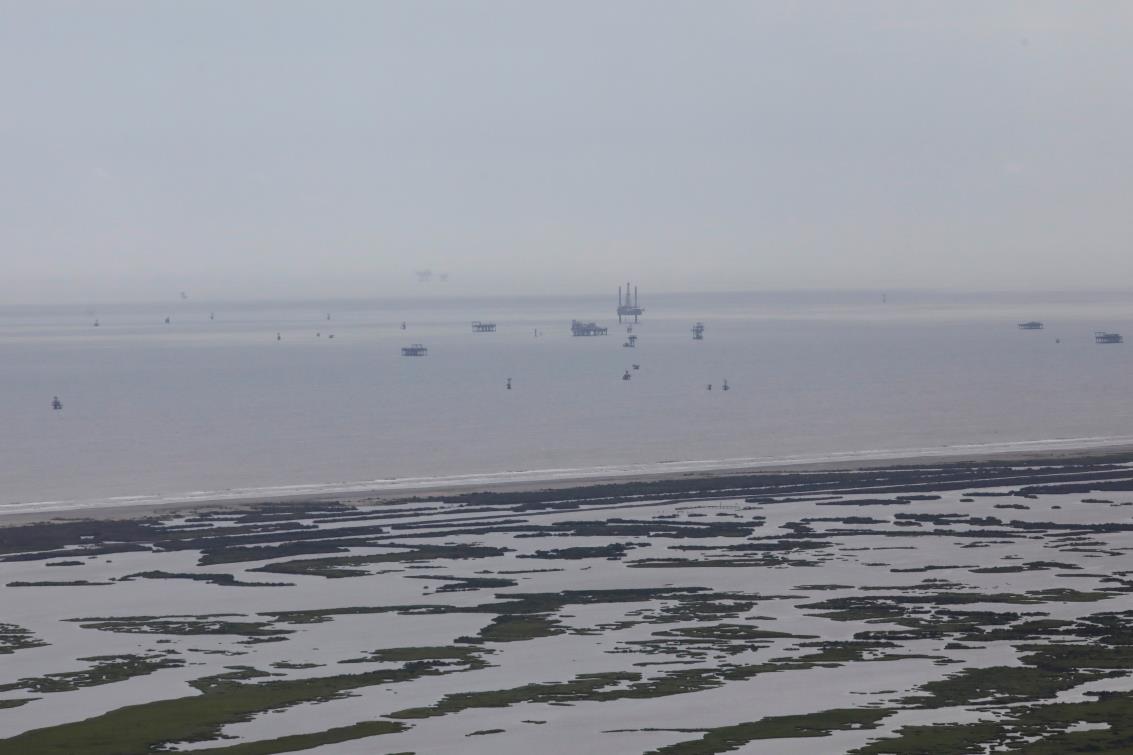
(961, 607)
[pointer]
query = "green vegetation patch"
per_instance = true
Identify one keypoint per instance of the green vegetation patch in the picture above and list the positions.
(729, 632)
(954, 739)
(224, 699)
(15, 703)
(105, 670)
(260, 631)
(1043, 729)
(999, 685)
(461, 584)
(461, 653)
(226, 580)
(297, 742)
(820, 724)
(517, 628)
(582, 687)
(13, 638)
(59, 583)
(348, 566)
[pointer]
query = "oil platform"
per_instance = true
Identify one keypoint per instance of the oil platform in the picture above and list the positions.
(483, 327)
(628, 308)
(1031, 325)
(579, 328)
(414, 350)
(698, 332)
(1101, 336)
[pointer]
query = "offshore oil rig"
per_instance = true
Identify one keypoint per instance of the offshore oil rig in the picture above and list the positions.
(483, 327)
(1100, 336)
(414, 350)
(579, 328)
(628, 308)
(1031, 325)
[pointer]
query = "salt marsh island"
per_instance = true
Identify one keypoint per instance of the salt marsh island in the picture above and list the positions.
(959, 606)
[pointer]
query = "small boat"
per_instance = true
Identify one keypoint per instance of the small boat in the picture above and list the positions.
(710, 386)
(414, 350)
(579, 328)
(626, 376)
(631, 342)
(403, 324)
(509, 384)
(96, 323)
(278, 337)
(56, 404)
(725, 387)
(1031, 325)
(1101, 336)
(698, 332)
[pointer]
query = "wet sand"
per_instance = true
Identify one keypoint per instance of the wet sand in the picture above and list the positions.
(1087, 455)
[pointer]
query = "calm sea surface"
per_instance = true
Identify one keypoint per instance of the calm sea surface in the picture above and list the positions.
(202, 406)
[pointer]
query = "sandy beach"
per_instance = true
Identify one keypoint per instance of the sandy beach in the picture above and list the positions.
(1119, 453)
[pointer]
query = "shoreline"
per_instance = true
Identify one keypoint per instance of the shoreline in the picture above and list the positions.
(398, 490)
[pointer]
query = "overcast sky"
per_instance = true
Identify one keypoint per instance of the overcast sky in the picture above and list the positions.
(301, 149)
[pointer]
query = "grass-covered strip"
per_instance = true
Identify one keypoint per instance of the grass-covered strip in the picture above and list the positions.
(104, 670)
(954, 739)
(1033, 729)
(224, 700)
(461, 654)
(999, 685)
(225, 580)
(297, 742)
(256, 630)
(13, 638)
(582, 687)
(16, 702)
(348, 566)
(610, 686)
(821, 724)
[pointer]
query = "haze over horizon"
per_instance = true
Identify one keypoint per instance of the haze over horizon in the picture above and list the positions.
(304, 150)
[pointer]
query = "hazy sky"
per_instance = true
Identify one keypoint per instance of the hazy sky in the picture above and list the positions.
(239, 148)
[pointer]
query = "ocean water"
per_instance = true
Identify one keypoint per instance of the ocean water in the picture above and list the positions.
(207, 408)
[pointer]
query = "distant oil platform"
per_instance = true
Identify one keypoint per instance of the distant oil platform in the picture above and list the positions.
(414, 350)
(1031, 325)
(483, 327)
(628, 308)
(1101, 336)
(579, 328)
(698, 332)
